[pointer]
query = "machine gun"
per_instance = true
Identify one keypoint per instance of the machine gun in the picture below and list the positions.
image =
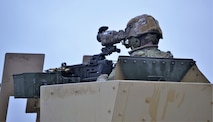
(98, 64)
(89, 71)
(27, 85)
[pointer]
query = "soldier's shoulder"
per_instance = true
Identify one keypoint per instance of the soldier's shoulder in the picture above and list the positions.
(159, 54)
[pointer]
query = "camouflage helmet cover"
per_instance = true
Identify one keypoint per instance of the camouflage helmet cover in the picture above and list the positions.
(142, 24)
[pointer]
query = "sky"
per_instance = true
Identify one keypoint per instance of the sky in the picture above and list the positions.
(65, 30)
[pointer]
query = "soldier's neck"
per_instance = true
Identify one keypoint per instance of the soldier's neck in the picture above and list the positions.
(146, 46)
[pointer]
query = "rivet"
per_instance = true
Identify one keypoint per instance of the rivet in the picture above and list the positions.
(113, 87)
(182, 63)
(51, 93)
(153, 62)
(124, 91)
(173, 62)
(125, 61)
(109, 111)
(144, 62)
(119, 114)
(163, 62)
(147, 100)
(76, 91)
(134, 61)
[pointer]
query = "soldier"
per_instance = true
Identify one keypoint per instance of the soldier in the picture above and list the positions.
(143, 34)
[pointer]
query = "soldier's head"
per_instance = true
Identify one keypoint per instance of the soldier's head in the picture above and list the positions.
(141, 30)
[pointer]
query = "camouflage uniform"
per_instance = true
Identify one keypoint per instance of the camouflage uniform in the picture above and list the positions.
(151, 51)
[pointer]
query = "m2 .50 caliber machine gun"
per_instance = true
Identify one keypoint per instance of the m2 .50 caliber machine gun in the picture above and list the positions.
(27, 85)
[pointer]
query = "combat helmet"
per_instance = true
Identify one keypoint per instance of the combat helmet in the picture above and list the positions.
(142, 24)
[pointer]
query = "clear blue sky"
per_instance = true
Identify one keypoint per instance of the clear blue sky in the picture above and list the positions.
(65, 30)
